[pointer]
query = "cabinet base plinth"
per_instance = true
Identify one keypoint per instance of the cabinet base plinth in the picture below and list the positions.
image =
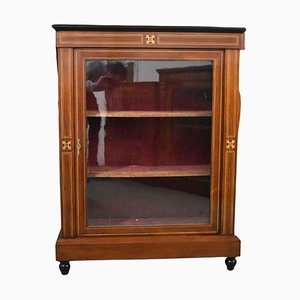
(143, 247)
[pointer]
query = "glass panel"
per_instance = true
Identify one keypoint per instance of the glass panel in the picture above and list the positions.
(148, 86)
(148, 133)
(148, 141)
(148, 201)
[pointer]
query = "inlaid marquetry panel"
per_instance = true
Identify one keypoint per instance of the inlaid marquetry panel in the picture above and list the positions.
(67, 195)
(150, 39)
(98, 39)
(65, 78)
(200, 40)
(230, 131)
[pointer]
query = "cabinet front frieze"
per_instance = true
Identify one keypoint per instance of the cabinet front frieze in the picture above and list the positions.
(150, 39)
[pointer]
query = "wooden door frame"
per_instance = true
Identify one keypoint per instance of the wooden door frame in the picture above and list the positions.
(80, 58)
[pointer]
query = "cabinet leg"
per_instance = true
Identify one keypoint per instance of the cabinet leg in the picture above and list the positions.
(230, 263)
(64, 267)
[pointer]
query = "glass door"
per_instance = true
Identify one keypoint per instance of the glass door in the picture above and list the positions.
(149, 127)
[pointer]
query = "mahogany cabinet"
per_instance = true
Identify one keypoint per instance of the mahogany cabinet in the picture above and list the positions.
(148, 139)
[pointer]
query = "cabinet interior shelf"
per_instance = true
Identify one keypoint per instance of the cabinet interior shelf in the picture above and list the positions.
(147, 171)
(149, 114)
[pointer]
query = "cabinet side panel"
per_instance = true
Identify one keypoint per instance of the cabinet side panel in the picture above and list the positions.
(230, 131)
(65, 73)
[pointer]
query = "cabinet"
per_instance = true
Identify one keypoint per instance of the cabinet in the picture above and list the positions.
(148, 137)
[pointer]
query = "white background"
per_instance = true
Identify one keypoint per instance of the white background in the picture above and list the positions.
(267, 210)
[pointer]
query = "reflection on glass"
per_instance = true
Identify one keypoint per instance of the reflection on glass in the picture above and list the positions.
(149, 141)
(148, 201)
(115, 86)
(148, 132)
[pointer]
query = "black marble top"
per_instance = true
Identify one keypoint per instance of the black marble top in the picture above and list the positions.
(69, 27)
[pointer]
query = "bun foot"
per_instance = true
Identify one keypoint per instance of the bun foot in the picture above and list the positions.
(64, 267)
(230, 263)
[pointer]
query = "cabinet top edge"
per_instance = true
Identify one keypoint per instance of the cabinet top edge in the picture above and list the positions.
(141, 28)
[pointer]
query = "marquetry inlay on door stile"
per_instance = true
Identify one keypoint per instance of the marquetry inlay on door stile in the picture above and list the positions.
(230, 144)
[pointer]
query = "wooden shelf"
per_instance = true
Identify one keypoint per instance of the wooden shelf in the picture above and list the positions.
(94, 222)
(149, 114)
(148, 171)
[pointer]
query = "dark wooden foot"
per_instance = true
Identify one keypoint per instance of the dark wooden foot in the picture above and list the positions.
(230, 263)
(64, 267)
